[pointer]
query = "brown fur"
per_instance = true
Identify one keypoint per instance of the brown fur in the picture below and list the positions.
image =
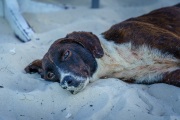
(159, 29)
(35, 66)
(172, 78)
(88, 40)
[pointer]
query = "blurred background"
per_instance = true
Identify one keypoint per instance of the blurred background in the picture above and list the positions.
(73, 15)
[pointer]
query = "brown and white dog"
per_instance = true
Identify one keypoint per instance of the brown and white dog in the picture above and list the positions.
(144, 49)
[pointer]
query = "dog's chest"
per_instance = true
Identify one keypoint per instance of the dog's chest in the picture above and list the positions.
(143, 64)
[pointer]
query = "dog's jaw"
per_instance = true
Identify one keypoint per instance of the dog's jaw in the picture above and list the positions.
(79, 89)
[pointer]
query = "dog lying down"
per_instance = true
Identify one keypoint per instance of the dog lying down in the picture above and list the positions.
(144, 49)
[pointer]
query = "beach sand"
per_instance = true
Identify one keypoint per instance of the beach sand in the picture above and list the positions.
(28, 97)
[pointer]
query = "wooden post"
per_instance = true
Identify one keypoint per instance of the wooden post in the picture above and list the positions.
(16, 20)
(95, 4)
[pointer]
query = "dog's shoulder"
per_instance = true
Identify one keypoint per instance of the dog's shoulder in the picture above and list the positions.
(158, 29)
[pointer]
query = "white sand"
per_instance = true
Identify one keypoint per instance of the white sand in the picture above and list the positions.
(28, 97)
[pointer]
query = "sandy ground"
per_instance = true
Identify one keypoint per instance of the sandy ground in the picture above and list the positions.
(28, 97)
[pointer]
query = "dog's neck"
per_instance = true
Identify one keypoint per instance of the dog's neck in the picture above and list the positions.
(110, 62)
(121, 61)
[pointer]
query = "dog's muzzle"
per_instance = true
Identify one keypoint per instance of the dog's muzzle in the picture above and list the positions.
(72, 84)
(69, 81)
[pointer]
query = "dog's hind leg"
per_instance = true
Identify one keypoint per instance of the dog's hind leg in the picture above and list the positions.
(172, 78)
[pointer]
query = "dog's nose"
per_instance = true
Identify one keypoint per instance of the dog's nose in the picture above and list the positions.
(70, 81)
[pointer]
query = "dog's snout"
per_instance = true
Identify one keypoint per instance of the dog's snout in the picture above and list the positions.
(70, 81)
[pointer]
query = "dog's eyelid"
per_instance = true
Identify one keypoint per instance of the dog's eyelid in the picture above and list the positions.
(66, 54)
(50, 75)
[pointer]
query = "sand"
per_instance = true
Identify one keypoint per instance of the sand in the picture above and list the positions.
(28, 97)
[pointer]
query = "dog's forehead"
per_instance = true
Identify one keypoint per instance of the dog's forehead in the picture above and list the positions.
(58, 50)
(46, 60)
(63, 45)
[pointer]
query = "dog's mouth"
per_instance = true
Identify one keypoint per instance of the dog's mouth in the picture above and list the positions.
(74, 84)
(75, 90)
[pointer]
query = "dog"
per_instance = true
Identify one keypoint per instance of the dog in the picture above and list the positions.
(145, 49)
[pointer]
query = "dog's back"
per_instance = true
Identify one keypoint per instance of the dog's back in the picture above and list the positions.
(158, 29)
(166, 18)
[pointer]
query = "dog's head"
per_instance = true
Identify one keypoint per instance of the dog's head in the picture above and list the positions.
(71, 61)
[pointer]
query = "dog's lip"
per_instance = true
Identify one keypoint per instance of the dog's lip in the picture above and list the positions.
(71, 91)
(75, 91)
(64, 87)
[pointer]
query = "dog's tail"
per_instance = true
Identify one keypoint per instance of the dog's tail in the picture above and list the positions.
(177, 5)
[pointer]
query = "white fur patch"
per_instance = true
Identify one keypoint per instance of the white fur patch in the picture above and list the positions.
(82, 85)
(143, 64)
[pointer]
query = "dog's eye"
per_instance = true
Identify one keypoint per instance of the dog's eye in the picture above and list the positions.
(50, 75)
(67, 53)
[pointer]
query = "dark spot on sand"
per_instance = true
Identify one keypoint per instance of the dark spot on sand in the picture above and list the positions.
(63, 110)
(91, 105)
(37, 38)
(52, 113)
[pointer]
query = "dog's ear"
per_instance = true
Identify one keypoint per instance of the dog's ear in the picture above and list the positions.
(34, 67)
(89, 41)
